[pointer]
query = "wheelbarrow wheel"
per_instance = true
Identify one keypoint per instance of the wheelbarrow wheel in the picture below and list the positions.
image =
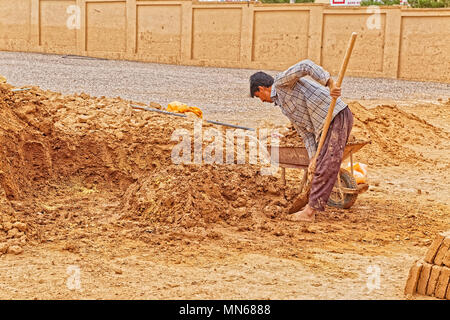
(343, 200)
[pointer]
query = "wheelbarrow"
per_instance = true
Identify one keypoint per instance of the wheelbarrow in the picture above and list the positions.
(344, 192)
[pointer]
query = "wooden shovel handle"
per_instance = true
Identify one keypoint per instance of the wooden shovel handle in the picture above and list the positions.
(348, 53)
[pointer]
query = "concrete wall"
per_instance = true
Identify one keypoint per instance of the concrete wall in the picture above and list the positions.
(400, 43)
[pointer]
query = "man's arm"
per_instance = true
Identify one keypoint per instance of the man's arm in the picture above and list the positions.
(309, 140)
(301, 69)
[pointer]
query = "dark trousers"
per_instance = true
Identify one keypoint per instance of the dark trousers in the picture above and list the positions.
(329, 160)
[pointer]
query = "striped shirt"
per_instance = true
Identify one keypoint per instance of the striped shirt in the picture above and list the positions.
(305, 102)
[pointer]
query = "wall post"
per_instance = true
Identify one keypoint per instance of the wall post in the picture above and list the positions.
(392, 42)
(315, 34)
(34, 36)
(131, 28)
(81, 32)
(186, 32)
(246, 36)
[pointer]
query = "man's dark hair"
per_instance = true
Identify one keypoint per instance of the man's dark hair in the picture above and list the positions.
(259, 79)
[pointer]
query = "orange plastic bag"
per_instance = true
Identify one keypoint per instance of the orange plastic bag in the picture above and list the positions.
(359, 171)
(179, 107)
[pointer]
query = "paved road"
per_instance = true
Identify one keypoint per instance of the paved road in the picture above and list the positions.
(215, 90)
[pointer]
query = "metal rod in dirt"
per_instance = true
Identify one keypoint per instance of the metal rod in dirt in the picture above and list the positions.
(20, 89)
(184, 116)
(160, 111)
(229, 125)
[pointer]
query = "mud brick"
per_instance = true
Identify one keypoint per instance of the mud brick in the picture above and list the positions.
(423, 279)
(443, 250)
(432, 251)
(442, 283)
(413, 278)
(432, 281)
(448, 292)
(446, 259)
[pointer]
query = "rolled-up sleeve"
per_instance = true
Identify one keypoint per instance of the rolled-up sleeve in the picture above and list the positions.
(301, 69)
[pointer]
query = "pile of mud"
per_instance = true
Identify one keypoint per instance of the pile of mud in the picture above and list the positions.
(397, 137)
(50, 140)
(203, 194)
(53, 144)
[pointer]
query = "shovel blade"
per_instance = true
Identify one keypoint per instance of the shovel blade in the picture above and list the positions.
(301, 201)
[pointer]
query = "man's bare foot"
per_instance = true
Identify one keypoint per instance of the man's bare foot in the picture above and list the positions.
(308, 214)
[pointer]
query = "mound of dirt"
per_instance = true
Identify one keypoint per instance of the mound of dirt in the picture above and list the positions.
(53, 143)
(195, 195)
(397, 137)
(74, 159)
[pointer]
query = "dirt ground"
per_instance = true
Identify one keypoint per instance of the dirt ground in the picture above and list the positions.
(88, 191)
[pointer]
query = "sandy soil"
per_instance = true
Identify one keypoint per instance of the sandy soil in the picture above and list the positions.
(87, 184)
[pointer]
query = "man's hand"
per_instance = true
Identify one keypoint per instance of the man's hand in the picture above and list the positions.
(335, 92)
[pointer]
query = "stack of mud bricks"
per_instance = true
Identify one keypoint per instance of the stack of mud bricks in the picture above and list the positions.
(431, 276)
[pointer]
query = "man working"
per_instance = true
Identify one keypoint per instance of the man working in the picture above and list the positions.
(305, 102)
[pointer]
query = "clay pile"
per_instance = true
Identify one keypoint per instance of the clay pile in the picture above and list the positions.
(52, 143)
(396, 136)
